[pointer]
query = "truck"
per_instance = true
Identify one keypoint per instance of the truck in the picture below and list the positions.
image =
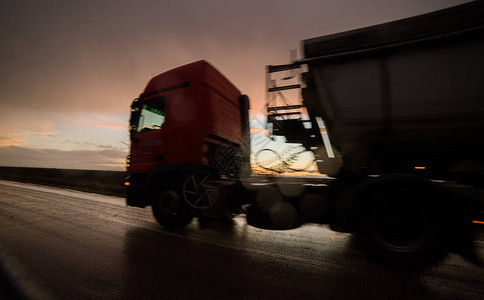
(392, 113)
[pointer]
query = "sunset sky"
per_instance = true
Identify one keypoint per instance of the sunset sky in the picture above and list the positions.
(70, 69)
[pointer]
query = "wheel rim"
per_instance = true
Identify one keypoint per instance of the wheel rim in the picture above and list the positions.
(199, 190)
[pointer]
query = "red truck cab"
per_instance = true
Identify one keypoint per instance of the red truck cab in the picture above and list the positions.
(181, 119)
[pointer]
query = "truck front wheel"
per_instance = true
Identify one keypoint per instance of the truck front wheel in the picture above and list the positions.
(168, 207)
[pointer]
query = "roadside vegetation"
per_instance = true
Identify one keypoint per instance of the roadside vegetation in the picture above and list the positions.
(100, 182)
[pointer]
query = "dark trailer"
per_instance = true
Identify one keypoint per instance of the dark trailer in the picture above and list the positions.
(404, 96)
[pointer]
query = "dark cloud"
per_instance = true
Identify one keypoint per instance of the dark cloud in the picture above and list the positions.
(89, 55)
(92, 145)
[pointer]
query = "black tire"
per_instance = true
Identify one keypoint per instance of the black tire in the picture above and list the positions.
(257, 218)
(169, 208)
(402, 223)
(283, 218)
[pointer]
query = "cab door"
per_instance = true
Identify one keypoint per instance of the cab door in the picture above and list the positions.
(147, 134)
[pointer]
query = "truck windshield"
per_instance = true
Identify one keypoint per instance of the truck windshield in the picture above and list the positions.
(152, 115)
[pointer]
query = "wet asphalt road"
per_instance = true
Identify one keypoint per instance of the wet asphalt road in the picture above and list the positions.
(65, 244)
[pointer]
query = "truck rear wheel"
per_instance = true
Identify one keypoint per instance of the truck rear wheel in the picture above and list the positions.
(402, 223)
(169, 208)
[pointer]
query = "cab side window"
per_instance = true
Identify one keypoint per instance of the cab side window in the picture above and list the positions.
(152, 115)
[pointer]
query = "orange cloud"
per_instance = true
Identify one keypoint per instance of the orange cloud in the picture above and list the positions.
(109, 125)
(11, 138)
(41, 127)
